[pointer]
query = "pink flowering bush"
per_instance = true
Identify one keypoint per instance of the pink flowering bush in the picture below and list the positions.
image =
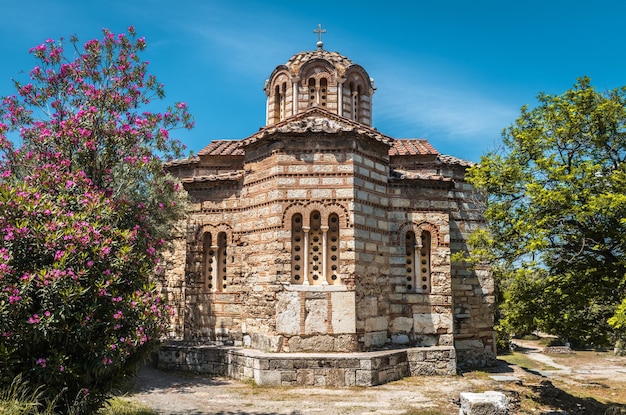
(85, 208)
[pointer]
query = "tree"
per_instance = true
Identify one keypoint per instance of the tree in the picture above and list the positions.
(85, 208)
(556, 207)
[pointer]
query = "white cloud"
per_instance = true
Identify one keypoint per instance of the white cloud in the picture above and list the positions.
(455, 119)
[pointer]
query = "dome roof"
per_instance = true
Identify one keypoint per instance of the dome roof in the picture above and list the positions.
(340, 62)
(319, 78)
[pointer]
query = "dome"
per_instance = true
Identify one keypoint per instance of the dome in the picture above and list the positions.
(319, 78)
(340, 62)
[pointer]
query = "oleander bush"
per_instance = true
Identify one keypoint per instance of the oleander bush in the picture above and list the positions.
(85, 208)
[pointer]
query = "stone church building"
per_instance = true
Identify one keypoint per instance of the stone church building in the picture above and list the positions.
(320, 234)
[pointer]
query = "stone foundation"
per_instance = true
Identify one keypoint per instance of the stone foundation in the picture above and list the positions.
(309, 369)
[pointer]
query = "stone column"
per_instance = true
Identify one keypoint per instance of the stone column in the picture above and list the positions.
(214, 266)
(324, 230)
(417, 263)
(305, 276)
(295, 92)
(340, 82)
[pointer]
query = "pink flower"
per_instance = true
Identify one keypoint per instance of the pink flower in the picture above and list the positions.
(41, 362)
(34, 319)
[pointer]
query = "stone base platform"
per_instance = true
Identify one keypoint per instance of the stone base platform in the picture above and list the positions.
(313, 369)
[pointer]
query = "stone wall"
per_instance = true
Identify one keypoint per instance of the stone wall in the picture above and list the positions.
(474, 296)
(372, 304)
(310, 369)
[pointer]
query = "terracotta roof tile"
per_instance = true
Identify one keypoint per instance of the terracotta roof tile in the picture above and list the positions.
(222, 148)
(451, 160)
(411, 147)
(182, 162)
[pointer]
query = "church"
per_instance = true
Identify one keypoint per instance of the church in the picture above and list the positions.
(320, 234)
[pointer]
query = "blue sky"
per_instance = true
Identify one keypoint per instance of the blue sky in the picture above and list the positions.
(454, 72)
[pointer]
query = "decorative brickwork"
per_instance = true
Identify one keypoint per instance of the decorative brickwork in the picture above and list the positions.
(318, 233)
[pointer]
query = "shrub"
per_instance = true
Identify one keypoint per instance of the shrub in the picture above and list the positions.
(85, 208)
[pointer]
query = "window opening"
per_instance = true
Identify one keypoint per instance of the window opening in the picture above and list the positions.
(315, 250)
(355, 92)
(277, 104)
(410, 260)
(208, 265)
(221, 260)
(323, 91)
(332, 249)
(312, 91)
(297, 253)
(422, 249)
(283, 101)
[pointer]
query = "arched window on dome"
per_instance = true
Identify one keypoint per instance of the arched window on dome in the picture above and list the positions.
(318, 92)
(283, 101)
(312, 91)
(323, 92)
(280, 102)
(277, 103)
(355, 94)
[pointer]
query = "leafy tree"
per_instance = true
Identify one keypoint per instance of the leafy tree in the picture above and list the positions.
(556, 209)
(85, 208)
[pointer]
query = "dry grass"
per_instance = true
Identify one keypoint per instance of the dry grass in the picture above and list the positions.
(596, 384)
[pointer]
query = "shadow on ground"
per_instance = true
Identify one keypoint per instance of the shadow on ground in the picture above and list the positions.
(150, 379)
(546, 393)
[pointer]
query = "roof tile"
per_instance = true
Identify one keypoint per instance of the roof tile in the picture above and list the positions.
(222, 148)
(411, 147)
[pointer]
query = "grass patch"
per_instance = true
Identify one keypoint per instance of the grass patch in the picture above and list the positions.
(122, 406)
(523, 361)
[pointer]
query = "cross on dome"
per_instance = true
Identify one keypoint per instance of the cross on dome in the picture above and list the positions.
(319, 31)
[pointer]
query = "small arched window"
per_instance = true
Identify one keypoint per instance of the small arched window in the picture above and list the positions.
(410, 260)
(355, 93)
(277, 103)
(332, 249)
(323, 91)
(214, 254)
(417, 262)
(221, 261)
(312, 92)
(208, 265)
(297, 251)
(315, 250)
(315, 257)
(422, 284)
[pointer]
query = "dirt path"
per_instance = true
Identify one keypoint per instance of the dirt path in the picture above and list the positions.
(177, 393)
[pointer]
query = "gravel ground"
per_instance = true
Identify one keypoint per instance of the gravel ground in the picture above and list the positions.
(174, 393)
